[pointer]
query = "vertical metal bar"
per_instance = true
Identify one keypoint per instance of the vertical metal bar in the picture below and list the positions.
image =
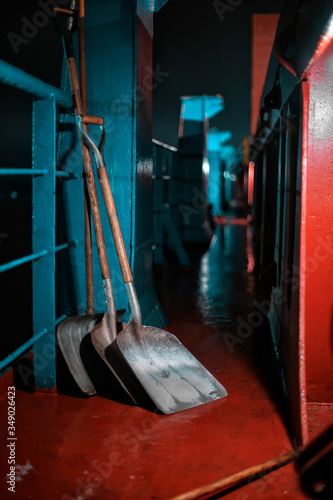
(43, 235)
(158, 206)
(86, 204)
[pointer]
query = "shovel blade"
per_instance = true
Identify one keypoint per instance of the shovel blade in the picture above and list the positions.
(70, 334)
(169, 374)
(100, 337)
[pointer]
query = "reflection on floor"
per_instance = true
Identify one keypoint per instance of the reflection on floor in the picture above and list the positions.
(105, 448)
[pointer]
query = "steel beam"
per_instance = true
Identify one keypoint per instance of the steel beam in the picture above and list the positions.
(43, 236)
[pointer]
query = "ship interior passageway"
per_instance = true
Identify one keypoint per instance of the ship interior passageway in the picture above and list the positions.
(166, 254)
(104, 447)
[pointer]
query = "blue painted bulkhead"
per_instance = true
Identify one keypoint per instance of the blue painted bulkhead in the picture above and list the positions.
(120, 79)
(119, 88)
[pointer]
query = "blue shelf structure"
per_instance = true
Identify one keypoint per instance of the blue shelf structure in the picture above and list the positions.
(46, 100)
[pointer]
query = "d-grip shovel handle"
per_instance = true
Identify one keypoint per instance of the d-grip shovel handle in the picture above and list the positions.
(71, 16)
(121, 251)
(108, 199)
(114, 223)
(65, 21)
(95, 212)
(69, 52)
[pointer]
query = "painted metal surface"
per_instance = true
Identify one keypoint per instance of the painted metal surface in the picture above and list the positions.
(43, 257)
(7, 362)
(22, 260)
(119, 86)
(250, 183)
(128, 452)
(22, 171)
(198, 108)
(263, 34)
(296, 264)
(70, 264)
(145, 9)
(142, 215)
(15, 77)
(158, 4)
(316, 294)
(277, 204)
(159, 162)
(43, 236)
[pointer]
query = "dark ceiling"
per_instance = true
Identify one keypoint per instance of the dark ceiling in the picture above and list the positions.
(205, 47)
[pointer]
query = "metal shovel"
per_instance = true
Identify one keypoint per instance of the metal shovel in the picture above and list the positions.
(145, 358)
(72, 331)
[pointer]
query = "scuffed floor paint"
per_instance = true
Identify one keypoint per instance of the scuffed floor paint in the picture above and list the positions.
(107, 448)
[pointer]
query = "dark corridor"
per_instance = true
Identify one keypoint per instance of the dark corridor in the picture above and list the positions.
(218, 325)
(166, 249)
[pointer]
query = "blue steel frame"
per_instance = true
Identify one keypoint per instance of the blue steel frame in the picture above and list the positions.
(43, 234)
(120, 57)
(45, 101)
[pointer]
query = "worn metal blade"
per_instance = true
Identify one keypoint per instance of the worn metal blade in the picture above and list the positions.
(162, 366)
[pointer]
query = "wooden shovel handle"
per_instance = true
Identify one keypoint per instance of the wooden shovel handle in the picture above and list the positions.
(95, 214)
(88, 251)
(93, 120)
(114, 223)
(89, 176)
(87, 223)
(227, 482)
(82, 57)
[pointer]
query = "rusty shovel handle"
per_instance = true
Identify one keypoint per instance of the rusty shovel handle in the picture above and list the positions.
(250, 474)
(97, 152)
(87, 211)
(114, 224)
(88, 171)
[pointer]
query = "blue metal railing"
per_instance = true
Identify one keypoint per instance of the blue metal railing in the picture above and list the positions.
(22, 260)
(46, 97)
(24, 349)
(22, 171)
(15, 77)
(35, 256)
(32, 171)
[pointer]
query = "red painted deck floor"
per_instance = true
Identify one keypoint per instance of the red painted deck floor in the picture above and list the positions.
(75, 448)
